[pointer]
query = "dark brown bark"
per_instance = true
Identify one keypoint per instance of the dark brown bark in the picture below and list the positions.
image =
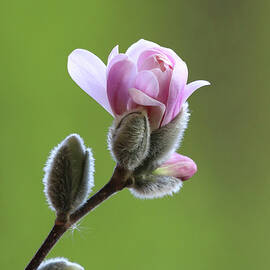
(54, 235)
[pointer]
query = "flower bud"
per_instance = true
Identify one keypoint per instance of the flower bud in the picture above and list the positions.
(59, 264)
(165, 180)
(178, 166)
(164, 141)
(150, 186)
(128, 139)
(68, 176)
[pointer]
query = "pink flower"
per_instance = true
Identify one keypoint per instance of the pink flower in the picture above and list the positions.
(147, 76)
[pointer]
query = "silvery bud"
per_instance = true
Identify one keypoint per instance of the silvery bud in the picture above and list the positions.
(150, 186)
(68, 176)
(59, 264)
(164, 141)
(128, 139)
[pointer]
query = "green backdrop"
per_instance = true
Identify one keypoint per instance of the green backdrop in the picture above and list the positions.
(220, 219)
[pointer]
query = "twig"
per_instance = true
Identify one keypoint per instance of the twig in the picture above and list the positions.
(118, 181)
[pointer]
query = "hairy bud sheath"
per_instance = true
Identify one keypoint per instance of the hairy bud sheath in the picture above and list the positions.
(150, 186)
(136, 148)
(128, 139)
(59, 264)
(147, 182)
(68, 176)
(165, 141)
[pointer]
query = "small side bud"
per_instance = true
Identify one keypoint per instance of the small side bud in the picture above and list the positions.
(128, 139)
(178, 166)
(68, 176)
(59, 264)
(164, 141)
(152, 186)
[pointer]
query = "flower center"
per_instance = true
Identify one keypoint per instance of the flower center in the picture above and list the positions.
(163, 62)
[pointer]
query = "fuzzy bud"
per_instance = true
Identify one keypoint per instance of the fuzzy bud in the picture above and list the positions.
(164, 141)
(128, 139)
(68, 176)
(59, 264)
(152, 186)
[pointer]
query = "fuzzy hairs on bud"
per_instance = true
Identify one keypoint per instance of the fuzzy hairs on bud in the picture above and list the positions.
(59, 264)
(152, 186)
(68, 176)
(164, 141)
(128, 139)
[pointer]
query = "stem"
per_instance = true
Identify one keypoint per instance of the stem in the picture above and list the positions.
(118, 181)
(54, 235)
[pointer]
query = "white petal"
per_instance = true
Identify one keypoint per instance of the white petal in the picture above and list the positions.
(89, 72)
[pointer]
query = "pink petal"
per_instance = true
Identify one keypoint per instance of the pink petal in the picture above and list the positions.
(178, 166)
(121, 77)
(146, 59)
(152, 58)
(170, 54)
(177, 85)
(147, 82)
(148, 63)
(117, 58)
(192, 87)
(137, 48)
(114, 52)
(164, 79)
(89, 72)
(154, 108)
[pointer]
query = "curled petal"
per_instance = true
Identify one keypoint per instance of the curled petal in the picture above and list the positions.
(137, 48)
(146, 59)
(147, 82)
(148, 64)
(177, 85)
(114, 52)
(192, 87)
(178, 166)
(89, 72)
(155, 108)
(121, 77)
(170, 54)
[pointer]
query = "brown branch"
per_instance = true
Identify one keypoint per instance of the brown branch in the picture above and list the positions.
(118, 181)
(54, 235)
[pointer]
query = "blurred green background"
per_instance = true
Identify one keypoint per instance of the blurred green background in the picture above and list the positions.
(220, 219)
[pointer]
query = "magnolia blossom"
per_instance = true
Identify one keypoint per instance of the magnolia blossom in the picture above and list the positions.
(147, 76)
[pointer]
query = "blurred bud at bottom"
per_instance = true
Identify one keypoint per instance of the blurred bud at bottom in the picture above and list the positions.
(59, 264)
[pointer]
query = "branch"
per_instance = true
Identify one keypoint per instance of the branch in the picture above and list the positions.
(118, 181)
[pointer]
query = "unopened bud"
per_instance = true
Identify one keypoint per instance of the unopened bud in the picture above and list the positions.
(164, 141)
(178, 166)
(128, 139)
(68, 176)
(150, 186)
(59, 264)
